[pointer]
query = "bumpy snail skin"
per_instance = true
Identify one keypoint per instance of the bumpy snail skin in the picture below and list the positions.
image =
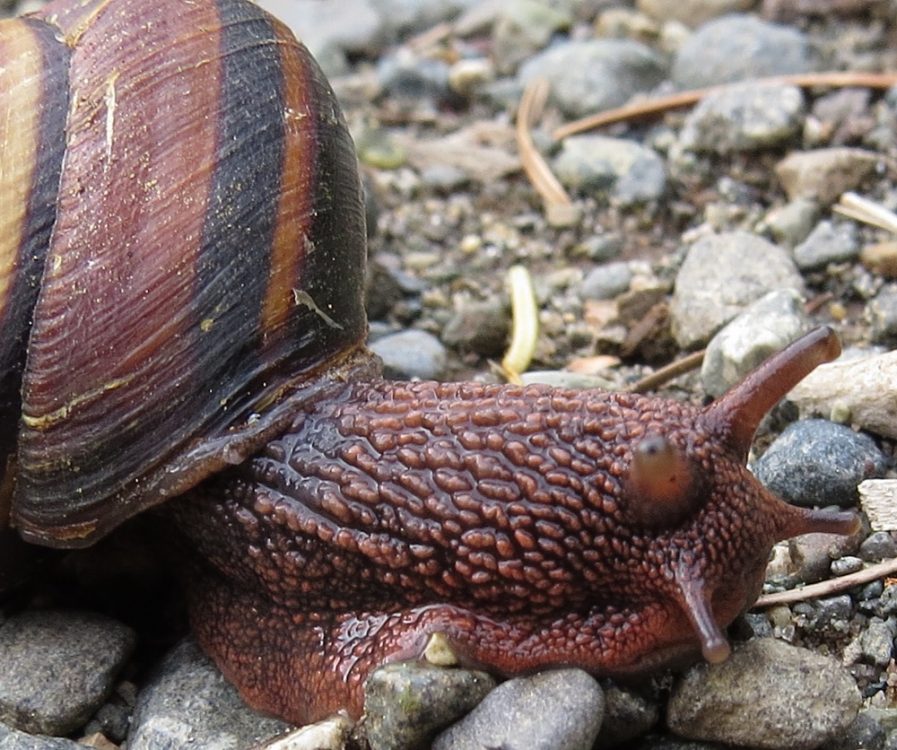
(508, 519)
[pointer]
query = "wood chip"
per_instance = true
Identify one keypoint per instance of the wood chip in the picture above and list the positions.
(878, 499)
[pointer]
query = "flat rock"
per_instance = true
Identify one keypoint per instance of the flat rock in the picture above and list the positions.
(744, 118)
(722, 275)
(768, 694)
(410, 354)
(554, 710)
(187, 703)
(824, 173)
(740, 47)
(11, 739)
(406, 703)
(588, 76)
(58, 667)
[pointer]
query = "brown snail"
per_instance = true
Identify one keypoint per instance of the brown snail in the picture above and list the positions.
(183, 245)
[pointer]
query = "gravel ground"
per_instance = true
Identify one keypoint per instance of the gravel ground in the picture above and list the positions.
(707, 226)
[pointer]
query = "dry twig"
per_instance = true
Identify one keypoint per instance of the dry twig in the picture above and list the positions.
(832, 586)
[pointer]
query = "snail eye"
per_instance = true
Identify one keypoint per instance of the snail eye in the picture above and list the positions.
(661, 487)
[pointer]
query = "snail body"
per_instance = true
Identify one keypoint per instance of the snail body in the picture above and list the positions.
(182, 234)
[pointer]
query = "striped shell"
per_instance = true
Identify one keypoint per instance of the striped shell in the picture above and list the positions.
(181, 248)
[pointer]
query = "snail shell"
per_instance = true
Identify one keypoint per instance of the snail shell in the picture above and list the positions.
(182, 244)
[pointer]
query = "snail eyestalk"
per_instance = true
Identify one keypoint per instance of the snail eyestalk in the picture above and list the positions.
(738, 412)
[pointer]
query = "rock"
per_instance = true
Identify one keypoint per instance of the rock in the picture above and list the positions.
(405, 75)
(874, 644)
(844, 566)
(10, 739)
(810, 556)
(524, 27)
(765, 327)
(588, 76)
(879, 545)
(58, 668)
(881, 313)
(406, 703)
(709, 291)
(815, 462)
(739, 47)
(606, 281)
(334, 733)
(859, 391)
(824, 173)
(768, 694)
(629, 172)
(554, 710)
(791, 224)
(411, 354)
(827, 243)
(413, 16)
(881, 258)
(480, 327)
(627, 715)
(187, 703)
(691, 12)
(744, 118)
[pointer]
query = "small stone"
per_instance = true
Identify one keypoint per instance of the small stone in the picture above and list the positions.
(744, 118)
(524, 27)
(188, 703)
(553, 710)
(811, 555)
(405, 75)
(629, 172)
(606, 281)
(874, 645)
(588, 76)
(691, 12)
(58, 668)
(627, 715)
(765, 327)
(881, 311)
(330, 734)
(793, 222)
(768, 694)
(827, 243)
(469, 74)
(844, 566)
(739, 47)
(411, 354)
(815, 462)
(879, 545)
(823, 174)
(480, 327)
(881, 258)
(708, 291)
(11, 739)
(406, 703)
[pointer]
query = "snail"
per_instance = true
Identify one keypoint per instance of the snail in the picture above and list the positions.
(183, 247)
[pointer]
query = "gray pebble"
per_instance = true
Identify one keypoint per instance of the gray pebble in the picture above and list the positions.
(828, 243)
(480, 327)
(844, 566)
(630, 172)
(881, 312)
(874, 644)
(411, 354)
(627, 715)
(58, 668)
(413, 16)
(406, 703)
(588, 76)
(744, 118)
(824, 173)
(793, 222)
(10, 739)
(554, 710)
(879, 545)
(765, 327)
(187, 703)
(739, 47)
(606, 281)
(865, 732)
(405, 75)
(524, 27)
(817, 462)
(811, 555)
(722, 274)
(832, 615)
(768, 694)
